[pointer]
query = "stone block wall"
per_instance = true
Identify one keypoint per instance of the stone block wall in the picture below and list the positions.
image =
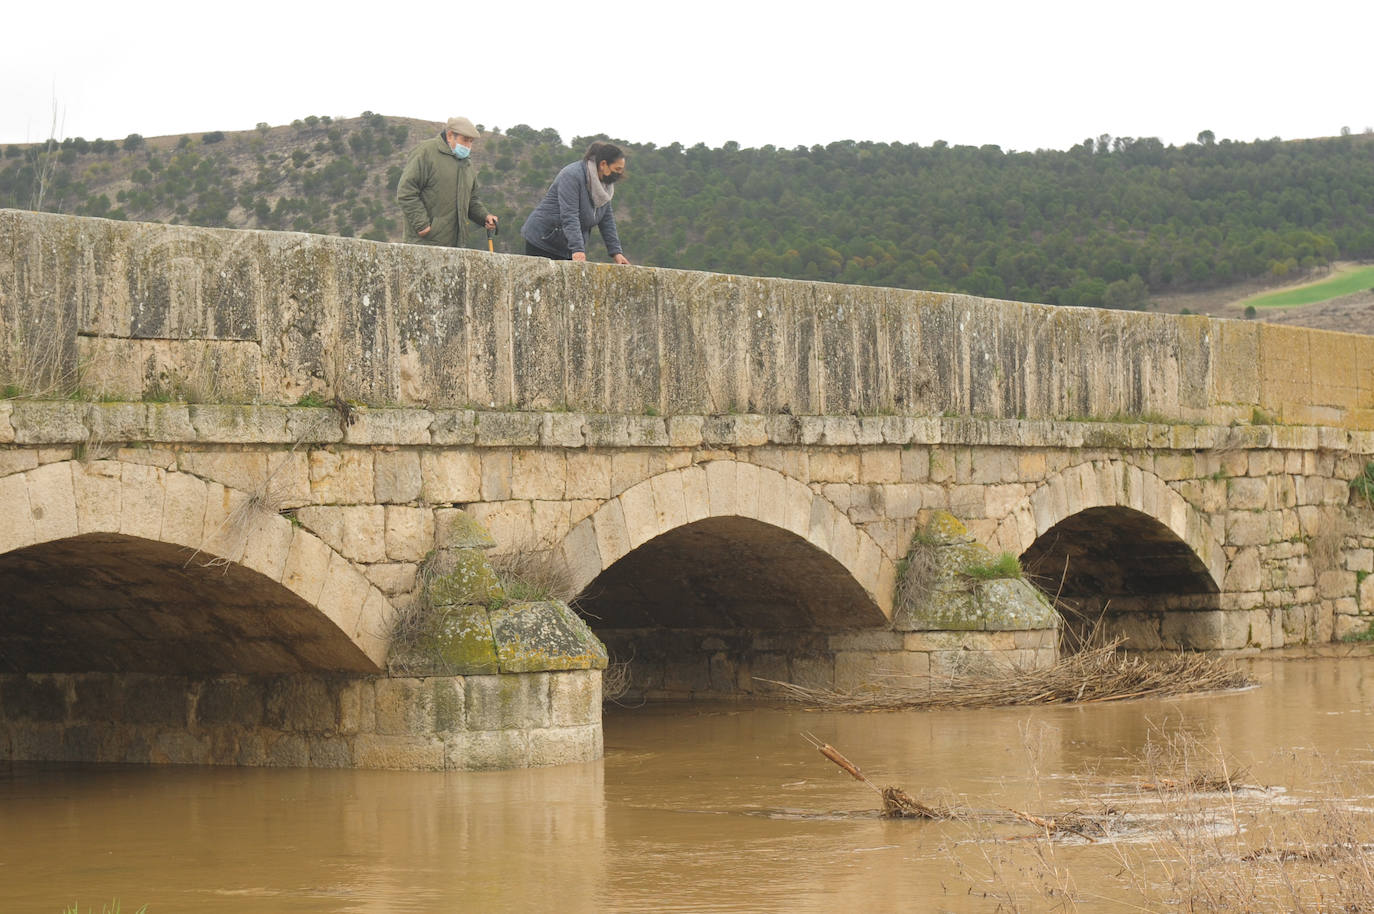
(415, 723)
(682, 665)
(1262, 505)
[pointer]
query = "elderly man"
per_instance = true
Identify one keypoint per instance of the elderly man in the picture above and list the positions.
(439, 187)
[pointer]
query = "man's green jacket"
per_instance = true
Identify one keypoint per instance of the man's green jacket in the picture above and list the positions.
(435, 187)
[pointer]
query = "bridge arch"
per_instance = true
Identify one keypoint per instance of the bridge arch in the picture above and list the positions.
(729, 500)
(1099, 484)
(1120, 549)
(90, 549)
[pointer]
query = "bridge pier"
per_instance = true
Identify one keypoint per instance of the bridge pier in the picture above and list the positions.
(304, 720)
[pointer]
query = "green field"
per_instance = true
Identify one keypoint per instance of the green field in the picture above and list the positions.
(1335, 287)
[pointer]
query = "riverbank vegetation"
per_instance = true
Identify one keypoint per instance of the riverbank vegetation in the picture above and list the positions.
(1179, 828)
(1113, 221)
(1186, 834)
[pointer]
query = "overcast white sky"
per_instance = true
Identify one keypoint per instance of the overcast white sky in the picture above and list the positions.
(1022, 75)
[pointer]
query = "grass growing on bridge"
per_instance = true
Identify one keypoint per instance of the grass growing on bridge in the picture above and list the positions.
(445, 626)
(1363, 484)
(1005, 565)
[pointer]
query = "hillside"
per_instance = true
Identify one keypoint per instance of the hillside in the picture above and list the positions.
(1115, 222)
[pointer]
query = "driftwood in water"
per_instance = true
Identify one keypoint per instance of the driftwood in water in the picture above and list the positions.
(898, 804)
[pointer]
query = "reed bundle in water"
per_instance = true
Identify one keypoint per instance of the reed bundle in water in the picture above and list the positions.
(1096, 674)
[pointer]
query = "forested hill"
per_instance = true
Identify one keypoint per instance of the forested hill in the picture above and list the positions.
(1110, 222)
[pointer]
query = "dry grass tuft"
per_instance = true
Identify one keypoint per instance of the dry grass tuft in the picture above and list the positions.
(1326, 542)
(532, 575)
(916, 576)
(615, 680)
(32, 363)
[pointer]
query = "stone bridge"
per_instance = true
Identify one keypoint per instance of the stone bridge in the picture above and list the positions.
(227, 460)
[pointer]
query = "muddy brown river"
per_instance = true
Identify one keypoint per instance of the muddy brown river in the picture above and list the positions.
(694, 808)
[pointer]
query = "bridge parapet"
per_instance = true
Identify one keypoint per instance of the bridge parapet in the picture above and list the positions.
(131, 311)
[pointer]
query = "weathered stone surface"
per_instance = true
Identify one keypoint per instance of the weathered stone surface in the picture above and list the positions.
(544, 636)
(398, 477)
(951, 585)
(464, 576)
(450, 476)
(625, 325)
(459, 641)
(770, 389)
(409, 533)
(458, 529)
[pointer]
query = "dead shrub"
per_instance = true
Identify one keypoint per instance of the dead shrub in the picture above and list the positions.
(531, 575)
(1326, 542)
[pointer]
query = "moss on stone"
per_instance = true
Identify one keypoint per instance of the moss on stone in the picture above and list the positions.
(942, 528)
(462, 531)
(1013, 604)
(468, 578)
(964, 586)
(459, 641)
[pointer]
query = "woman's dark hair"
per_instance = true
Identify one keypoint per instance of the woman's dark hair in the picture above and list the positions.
(604, 152)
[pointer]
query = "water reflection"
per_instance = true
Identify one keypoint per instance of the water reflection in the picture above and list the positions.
(693, 809)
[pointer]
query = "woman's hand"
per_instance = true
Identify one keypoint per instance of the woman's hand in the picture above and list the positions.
(621, 258)
(580, 256)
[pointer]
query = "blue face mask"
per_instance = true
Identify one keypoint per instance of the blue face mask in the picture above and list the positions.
(461, 151)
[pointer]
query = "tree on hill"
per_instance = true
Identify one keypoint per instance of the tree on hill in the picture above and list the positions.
(1106, 223)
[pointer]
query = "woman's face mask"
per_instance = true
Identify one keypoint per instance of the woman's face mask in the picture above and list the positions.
(612, 172)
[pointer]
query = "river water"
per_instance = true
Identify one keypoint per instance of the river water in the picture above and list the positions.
(695, 808)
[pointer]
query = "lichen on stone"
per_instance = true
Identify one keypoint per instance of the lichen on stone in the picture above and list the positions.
(466, 623)
(544, 636)
(462, 531)
(465, 577)
(459, 642)
(945, 585)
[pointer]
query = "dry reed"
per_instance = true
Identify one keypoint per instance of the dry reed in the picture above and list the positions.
(615, 681)
(1187, 836)
(1102, 673)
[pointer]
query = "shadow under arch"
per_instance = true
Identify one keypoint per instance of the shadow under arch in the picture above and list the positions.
(1120, 551)
(729, 573)
(735, 491)
(1114, 554)
(710, 577)
(112, 566)
(1112, 484)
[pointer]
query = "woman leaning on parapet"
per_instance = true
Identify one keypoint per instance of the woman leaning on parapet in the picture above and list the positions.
(579, 198)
